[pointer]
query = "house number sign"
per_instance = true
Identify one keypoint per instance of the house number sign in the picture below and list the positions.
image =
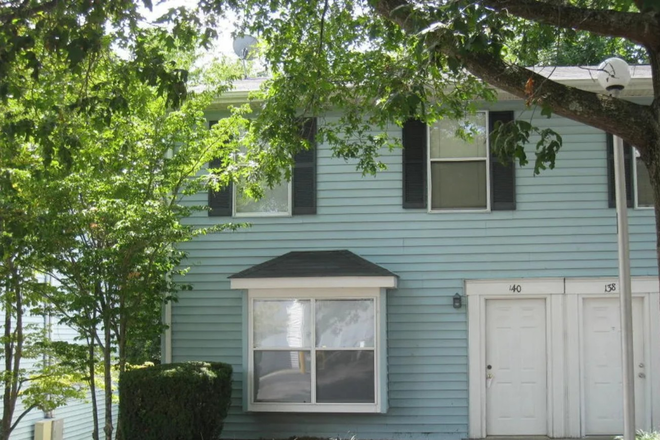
(609, 288)
(515, 288)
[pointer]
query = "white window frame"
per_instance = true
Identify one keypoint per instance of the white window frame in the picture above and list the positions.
(429, 180)
(342, 287)
(288, 213)
(635, 156)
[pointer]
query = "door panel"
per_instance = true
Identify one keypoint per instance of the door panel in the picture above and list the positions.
(601, 355)
(516, 352)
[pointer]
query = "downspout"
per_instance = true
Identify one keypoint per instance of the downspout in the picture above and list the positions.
(167, 350)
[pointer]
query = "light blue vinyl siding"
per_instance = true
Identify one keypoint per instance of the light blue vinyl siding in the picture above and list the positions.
(562, 228)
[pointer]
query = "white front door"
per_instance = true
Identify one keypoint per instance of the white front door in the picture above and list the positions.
(516, 402)
(601, 375)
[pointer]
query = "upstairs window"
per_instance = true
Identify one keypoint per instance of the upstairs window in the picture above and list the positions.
(643, 189)
(444, 173)
(639, 193)
(276, 201)
(458, 167)
(297, 197)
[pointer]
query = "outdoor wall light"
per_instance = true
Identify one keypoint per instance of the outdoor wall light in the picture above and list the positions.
(457, 301)
(613, 74)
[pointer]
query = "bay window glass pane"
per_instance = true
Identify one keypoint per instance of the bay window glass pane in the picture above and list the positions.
(644, 191)
(458, 185)
(281, 323)
(445, 144)
(274, 201)
(345, 376)
(345, 323)
(282, 376)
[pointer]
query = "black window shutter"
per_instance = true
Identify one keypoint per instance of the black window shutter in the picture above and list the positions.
(220, 202)
(502, 176)
(627, 160)
(414, 140)
(304, 173)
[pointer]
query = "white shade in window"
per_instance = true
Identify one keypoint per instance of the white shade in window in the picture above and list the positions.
(274, 201)
(445, 144)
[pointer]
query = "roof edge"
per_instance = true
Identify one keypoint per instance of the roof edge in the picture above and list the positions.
(581, 77)
(355, 282)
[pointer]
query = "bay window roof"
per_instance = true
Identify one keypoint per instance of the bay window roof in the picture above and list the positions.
(309, 268)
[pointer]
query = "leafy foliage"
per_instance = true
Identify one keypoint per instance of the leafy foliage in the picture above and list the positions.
(547, 46)
(187, 401)
(509, 141)
(96, 163)
(375, 64)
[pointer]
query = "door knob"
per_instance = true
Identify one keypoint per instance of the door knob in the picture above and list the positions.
(642, 375)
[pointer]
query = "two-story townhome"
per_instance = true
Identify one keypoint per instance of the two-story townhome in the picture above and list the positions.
(447, 297)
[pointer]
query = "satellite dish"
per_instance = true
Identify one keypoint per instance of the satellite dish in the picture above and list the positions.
(244, 47)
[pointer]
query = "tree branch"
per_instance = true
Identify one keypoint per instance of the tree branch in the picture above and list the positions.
(641, 28)
(617, 116)
(23, 414)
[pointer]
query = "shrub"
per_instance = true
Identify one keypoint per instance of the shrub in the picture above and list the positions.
(643, 435)
(186, 401)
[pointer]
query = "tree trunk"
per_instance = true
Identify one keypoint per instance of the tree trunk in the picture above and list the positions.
(92, 387)
(107, 364)
(121, 343)
(7, 408)
(13, 346)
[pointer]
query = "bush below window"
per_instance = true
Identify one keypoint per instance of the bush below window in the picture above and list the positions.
(186, 401)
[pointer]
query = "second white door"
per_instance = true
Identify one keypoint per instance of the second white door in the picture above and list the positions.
(601, 375)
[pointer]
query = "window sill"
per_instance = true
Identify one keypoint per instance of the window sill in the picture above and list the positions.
(457, 210)
(315, 408)
(263, 215)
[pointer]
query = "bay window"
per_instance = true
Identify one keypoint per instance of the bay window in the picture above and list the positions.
(314, 350)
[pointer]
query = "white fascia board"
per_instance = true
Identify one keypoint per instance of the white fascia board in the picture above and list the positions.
(637, 87)
(388, 282)
(583, 78)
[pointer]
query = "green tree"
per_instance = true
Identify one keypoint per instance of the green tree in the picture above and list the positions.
(99, 147)
(32, 369)
(98, 157)
(117, 216)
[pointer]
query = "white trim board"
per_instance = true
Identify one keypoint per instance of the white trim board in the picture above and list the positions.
(563, 298)
(386, 282)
